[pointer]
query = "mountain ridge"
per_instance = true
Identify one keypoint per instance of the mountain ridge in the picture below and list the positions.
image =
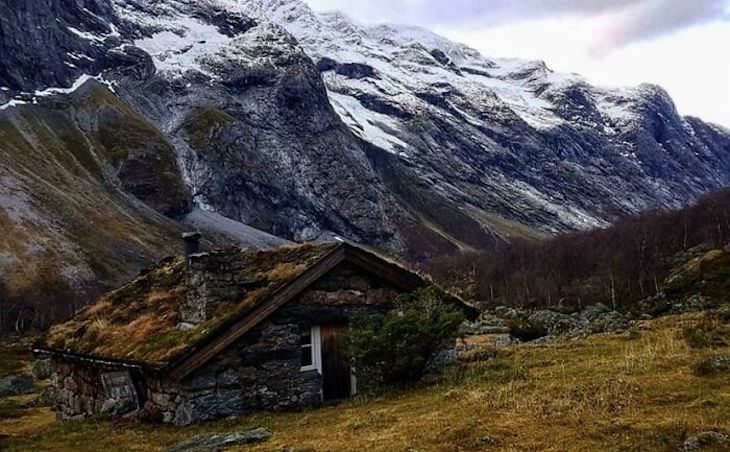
(310, 126)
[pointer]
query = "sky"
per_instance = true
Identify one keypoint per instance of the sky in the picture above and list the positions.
(682, 45)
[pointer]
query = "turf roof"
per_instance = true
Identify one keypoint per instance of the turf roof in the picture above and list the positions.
(138, 322)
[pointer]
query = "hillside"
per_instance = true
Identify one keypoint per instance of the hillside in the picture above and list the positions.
(120, 119)
(635, 391)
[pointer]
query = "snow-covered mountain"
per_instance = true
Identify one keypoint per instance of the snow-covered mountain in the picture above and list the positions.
(307, 126)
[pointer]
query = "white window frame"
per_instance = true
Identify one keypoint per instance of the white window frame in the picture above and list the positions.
(316, 351)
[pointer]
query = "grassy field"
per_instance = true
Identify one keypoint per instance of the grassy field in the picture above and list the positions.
(631, 392)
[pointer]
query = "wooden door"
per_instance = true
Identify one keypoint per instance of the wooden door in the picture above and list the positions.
(335, 366)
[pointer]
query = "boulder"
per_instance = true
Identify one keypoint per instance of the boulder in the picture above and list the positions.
(555, 323)
(595, 311)
(485, 324)
(713, 365)
(222, 441)
(704, 440)
(47, 398)
(506, 312)
(604, 320)
(117, 407)
(16, 385)
(42, 369)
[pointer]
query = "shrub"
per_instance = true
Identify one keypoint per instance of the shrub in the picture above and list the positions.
(398, 346)
(524, 330)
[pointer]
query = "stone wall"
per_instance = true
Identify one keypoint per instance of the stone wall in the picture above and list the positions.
(81, 392)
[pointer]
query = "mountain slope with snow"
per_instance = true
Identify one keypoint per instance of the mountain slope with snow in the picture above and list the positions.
(310, 126)
(520, 135)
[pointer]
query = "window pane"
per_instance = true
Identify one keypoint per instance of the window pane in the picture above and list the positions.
(307, 356)
(306, 336)
(306, 342)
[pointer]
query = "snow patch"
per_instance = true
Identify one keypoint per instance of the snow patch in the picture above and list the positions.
(85, 35)
(76, 85)
(184, 46)
(12, 103)
(79, 56)
(56, 91)
(373, 127)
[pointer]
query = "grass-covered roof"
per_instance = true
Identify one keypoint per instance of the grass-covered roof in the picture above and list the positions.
(139, 321)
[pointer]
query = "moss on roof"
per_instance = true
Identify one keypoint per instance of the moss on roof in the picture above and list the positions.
(138, 322)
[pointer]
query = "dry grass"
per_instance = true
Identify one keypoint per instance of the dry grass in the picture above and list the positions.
(632, 392)
(15, 356)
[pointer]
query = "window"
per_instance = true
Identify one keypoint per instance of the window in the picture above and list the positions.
(311, 349)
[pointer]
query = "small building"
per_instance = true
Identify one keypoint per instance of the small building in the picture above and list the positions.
(223, 333)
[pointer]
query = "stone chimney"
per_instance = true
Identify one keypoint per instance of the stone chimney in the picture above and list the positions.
(192, 244)
(212, 278)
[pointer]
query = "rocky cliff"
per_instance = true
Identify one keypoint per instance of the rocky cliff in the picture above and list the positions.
(121, 121)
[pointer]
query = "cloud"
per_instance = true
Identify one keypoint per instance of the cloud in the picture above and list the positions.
(654, 18)
(626, 21)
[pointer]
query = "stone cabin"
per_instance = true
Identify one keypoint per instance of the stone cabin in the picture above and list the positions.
(223, 333)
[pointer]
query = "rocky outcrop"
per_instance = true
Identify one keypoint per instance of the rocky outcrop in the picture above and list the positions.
(713, 365)
(15, 385)
(544, 324)
(222, 441)
(705, 440)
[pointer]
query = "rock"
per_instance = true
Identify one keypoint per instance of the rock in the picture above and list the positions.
(42, 369)
(16, 385)
(47, 397)
(655, 305)
(604, 320)
(713, 365)
(485, 324)
(503, 340)
(703, 440)
(695, 303)
(506, 312)
(117, 407)
(595, 311)
(446, 356)
(555, 323)
(222, 441)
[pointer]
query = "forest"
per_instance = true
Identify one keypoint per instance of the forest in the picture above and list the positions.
(617, 266)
